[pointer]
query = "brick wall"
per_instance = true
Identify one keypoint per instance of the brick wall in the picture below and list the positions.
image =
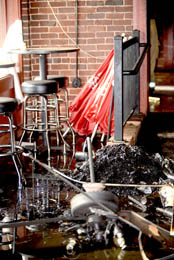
(98, 21)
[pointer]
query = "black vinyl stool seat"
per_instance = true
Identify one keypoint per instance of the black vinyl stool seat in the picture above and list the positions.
(7, 106)
(39, 87)
(41, 110)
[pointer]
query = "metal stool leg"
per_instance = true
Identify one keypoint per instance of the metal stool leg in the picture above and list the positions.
(66, 102)
(45, 129)
(14, 155)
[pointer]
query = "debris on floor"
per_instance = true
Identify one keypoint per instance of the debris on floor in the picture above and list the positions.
(129, 206)
(125, 164)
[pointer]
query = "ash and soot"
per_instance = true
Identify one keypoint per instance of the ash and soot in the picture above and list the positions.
(126, 164)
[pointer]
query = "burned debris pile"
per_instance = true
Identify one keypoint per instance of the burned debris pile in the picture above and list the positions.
(125, 164)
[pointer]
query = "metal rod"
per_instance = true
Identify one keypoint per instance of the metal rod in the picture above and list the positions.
(143, 207)
(138, 63)
(77, 40)
(91, 166)
(133, 185)
(172, 223)
(165, 212)
(128, 43)
(29, 222)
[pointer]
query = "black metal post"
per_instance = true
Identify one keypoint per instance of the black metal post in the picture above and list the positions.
(118, 88)
(136, 33)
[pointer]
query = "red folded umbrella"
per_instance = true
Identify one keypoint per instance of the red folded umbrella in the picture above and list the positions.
(92, 105)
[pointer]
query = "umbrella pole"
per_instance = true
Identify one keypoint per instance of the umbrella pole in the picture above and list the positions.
(91, 166)
(109, 121)
(92, 137)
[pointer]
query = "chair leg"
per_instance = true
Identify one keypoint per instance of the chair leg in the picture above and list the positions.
(66, 102)
(69, 128)
(20, 182)
(14, 154)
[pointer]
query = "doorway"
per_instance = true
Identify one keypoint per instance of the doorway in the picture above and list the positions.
(160, 21)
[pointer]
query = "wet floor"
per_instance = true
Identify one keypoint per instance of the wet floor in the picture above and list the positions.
(157, 134)
(46, 197)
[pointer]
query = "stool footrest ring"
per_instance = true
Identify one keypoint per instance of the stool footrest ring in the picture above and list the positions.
(18, 149)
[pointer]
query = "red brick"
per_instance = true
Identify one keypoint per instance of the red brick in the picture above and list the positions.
(87, 34)
(39, 17)
(87, 10)
(95, 3)
(34, 11)
(105, 9)
(59, 66)
(105, 34)
(128, 2)
(128, 16)
(39, 29)
(38, 4)
(89, 47)
(44, 10)
(40, 42)
(86, 22)
(114, 16)
(96, 41)
(103, 22)
(97, 28)
(74, 91)
(35, 36)
(58, 3)
(102, 47)
(96, 16)
(48, 35)
(114, 2)
(59, 42)
(116, 28)
(66, 10)
(55, 29)
(129, 28)
(47, 23)
(124, 9)
(122, 22)
(34, 23)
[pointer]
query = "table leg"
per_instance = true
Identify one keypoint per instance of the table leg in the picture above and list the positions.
(42, 62)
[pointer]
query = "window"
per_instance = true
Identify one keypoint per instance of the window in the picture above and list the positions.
(11, 30)
(9, 13)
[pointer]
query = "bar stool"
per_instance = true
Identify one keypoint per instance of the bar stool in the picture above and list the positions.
(41, 111)
(7, 106)
(62, 82)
